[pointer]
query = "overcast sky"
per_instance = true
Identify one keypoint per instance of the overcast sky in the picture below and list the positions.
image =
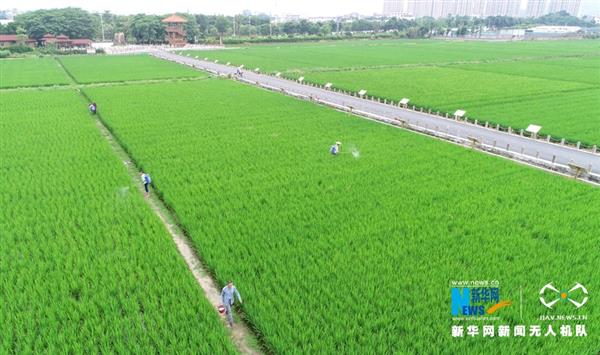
(230, 7)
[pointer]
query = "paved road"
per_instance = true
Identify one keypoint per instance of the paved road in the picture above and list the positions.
(538, 152)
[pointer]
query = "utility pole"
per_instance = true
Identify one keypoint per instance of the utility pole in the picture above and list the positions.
(234, 20)
(102, 27)
(270, 27)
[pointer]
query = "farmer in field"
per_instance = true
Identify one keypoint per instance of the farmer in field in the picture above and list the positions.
(227, 296)
(93, 107)
(335, 149)
(146, 180)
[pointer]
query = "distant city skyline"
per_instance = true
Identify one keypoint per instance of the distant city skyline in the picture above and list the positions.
(479, 8)
(305, 8)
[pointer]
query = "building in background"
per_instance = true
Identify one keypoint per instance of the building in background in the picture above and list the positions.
(63, 42)
(443, 8)
(419, 8)
(536, 8)
(175, 30)
(502, 8)
(8, 16)
(570, 6)
(11, 40)
(394, 8)
(474, 8)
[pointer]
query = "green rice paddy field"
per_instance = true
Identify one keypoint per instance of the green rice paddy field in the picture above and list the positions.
(86, 69)
(555, 84)
(31, 72)
(355, 253)
(85, 266)
(347, 254)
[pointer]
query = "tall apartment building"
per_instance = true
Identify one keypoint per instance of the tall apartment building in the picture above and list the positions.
(475, 8)
(419, 8)
(394, 8)
(443, 8)
(502, 8)
(570, 6)
(536, 8)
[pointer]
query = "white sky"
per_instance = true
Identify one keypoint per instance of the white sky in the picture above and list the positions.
(230, 7)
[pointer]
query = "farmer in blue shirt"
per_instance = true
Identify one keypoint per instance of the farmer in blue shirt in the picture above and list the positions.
(335, 149)
(227, 296)
(146, 180)
(93, 107)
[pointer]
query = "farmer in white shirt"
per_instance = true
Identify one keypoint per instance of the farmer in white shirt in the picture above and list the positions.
(146, 180)
(227, 296)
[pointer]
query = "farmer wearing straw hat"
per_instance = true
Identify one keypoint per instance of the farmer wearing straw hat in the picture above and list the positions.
(335, 149)
(227, 296)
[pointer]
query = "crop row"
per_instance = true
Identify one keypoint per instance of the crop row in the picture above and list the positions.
(85, 266)
(354, 253)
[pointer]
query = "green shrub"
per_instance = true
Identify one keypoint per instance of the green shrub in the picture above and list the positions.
(20, 48)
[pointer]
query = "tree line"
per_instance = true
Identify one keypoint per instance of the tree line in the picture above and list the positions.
(148, 29)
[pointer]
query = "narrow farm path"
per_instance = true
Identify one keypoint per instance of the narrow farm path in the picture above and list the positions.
(242, 337)
(100, 84)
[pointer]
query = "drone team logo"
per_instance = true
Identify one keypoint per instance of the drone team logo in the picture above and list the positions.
(550, 295)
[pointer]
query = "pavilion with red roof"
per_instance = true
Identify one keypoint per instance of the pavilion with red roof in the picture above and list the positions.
(175, 30)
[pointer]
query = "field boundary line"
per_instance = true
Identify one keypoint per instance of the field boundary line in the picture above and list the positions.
(102, 83)
(71, 77)
(246, 341)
